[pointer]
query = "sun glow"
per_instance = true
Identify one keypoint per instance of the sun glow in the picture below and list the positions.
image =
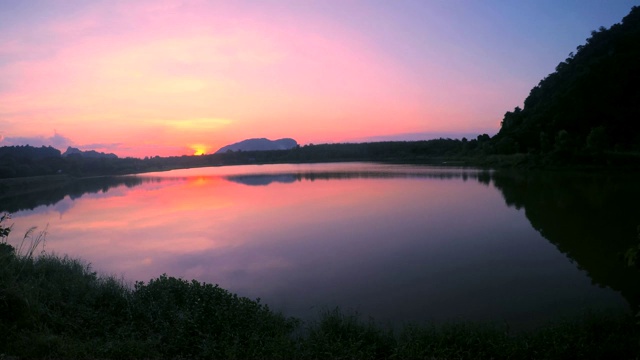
(199, 149)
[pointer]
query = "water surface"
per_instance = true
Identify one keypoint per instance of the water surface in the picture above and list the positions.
(395, 242)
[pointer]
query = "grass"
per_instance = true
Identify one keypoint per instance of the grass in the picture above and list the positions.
(57, 307)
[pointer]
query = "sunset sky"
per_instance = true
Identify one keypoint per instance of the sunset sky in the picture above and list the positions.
(163, 77)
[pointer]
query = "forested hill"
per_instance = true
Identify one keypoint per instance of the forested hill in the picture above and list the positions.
(591, 103)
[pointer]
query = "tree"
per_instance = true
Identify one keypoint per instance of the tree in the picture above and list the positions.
(597, 140)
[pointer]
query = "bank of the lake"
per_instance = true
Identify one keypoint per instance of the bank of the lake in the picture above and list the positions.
(57, 307)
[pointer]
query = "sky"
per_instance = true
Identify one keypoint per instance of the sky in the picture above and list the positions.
(168, 77)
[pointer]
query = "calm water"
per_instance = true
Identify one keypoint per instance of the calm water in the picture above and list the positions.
(398, 243)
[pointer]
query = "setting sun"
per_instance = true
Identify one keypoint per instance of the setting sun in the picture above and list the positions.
(199, 149)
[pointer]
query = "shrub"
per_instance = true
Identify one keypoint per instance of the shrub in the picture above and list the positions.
(345, 336)
(193, 319)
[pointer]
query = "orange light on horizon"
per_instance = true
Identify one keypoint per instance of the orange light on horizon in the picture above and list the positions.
(199, 149)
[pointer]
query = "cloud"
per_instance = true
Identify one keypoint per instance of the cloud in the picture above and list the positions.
(61, 143)
(57, 141)
(110, 147)
(139, 150)
(198, 124)
(418, 136)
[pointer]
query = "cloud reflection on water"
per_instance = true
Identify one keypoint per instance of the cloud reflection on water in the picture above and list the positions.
(399, 243)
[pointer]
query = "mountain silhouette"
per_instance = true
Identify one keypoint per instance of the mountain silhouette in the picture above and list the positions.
(71, 151)
(261, 144)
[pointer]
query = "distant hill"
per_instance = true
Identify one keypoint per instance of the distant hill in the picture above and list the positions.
(589, 105)
(88, 154)
(261, 144)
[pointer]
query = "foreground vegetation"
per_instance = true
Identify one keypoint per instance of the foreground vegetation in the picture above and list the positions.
(56, 307)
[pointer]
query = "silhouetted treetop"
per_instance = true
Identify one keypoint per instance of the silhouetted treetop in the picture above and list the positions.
(30, 152)
(593, 94)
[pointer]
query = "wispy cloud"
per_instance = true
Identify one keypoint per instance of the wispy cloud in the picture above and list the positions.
(57, 141)
(418, 136)
(201, 124)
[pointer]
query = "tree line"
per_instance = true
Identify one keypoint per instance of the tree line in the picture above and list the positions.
(26, 161)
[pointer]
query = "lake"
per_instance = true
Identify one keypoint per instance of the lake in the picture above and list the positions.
(398, 243)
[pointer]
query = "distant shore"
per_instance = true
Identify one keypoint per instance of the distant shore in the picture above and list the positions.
(16, 186)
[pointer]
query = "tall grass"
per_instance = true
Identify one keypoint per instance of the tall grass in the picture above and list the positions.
(57, 307)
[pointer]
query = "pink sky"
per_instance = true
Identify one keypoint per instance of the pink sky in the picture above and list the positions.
(144, 78)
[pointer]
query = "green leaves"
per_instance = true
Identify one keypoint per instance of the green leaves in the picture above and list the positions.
(631, 256)
(4, 230)
(193, 319)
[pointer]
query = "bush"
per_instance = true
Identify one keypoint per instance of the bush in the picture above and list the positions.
(192, 319)
(344, 336)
